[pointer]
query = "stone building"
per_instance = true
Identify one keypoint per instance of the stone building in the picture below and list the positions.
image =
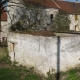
(3, 25)
(49, 10)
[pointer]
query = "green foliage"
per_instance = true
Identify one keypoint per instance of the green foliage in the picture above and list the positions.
(4, 55)
(9, 74)
(61, 22)
(17, 73)
(29, 20)
(12, 72)
(24, 24)
(50, 75)
(31, 77)
(17, 27)
(72, 74)
(15, 63)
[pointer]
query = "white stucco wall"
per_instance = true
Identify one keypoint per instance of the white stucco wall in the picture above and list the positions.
(45, 19)
(4, 24)
(4, 28)
(74, 22)
(78, 22)
(42, 52)
(50, 11)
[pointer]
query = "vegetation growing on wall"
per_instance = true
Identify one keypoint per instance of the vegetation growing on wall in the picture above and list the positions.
(23, 24)
(61, 22)
(30, 20)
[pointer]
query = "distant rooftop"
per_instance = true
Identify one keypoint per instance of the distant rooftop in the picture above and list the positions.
(68, 7)
(4, 16)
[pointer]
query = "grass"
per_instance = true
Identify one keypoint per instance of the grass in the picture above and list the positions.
(4, 56)
(32, 77)
(8, 74)
(13, 72)
(17, 73)
(73, 74)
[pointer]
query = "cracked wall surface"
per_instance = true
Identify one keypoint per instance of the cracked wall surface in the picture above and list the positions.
(42, 53)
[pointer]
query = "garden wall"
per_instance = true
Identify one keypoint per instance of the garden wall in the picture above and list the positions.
(45, 53)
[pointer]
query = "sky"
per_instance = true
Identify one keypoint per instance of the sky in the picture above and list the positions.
(73, 0)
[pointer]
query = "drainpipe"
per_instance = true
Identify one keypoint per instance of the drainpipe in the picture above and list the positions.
(56, 3)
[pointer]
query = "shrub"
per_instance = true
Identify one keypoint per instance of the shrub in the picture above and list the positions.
(61, 22)
(4, 55)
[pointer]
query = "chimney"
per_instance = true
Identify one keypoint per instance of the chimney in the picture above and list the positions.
(76, 1)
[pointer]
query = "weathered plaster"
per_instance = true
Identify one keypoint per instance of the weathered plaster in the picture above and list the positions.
(42, 52)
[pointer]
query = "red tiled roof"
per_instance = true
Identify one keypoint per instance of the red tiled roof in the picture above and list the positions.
(41, 3)
(69, 7)
(4, 16)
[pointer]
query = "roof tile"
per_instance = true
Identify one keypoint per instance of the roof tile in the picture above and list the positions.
(69, 7)
(4, 16)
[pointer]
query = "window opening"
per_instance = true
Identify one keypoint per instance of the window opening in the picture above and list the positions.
(51, 16)
(75, 28)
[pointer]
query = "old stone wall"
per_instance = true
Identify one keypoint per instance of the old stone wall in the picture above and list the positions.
(45, 53)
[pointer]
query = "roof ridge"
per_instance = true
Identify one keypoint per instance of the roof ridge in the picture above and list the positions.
(56, 4)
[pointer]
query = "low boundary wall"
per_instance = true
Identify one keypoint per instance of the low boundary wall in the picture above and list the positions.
(45, 53)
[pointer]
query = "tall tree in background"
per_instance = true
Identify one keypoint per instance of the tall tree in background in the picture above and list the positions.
(61, 22)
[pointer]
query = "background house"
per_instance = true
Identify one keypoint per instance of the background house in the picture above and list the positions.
(49, 9)
(4, 24)
(73, 9)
